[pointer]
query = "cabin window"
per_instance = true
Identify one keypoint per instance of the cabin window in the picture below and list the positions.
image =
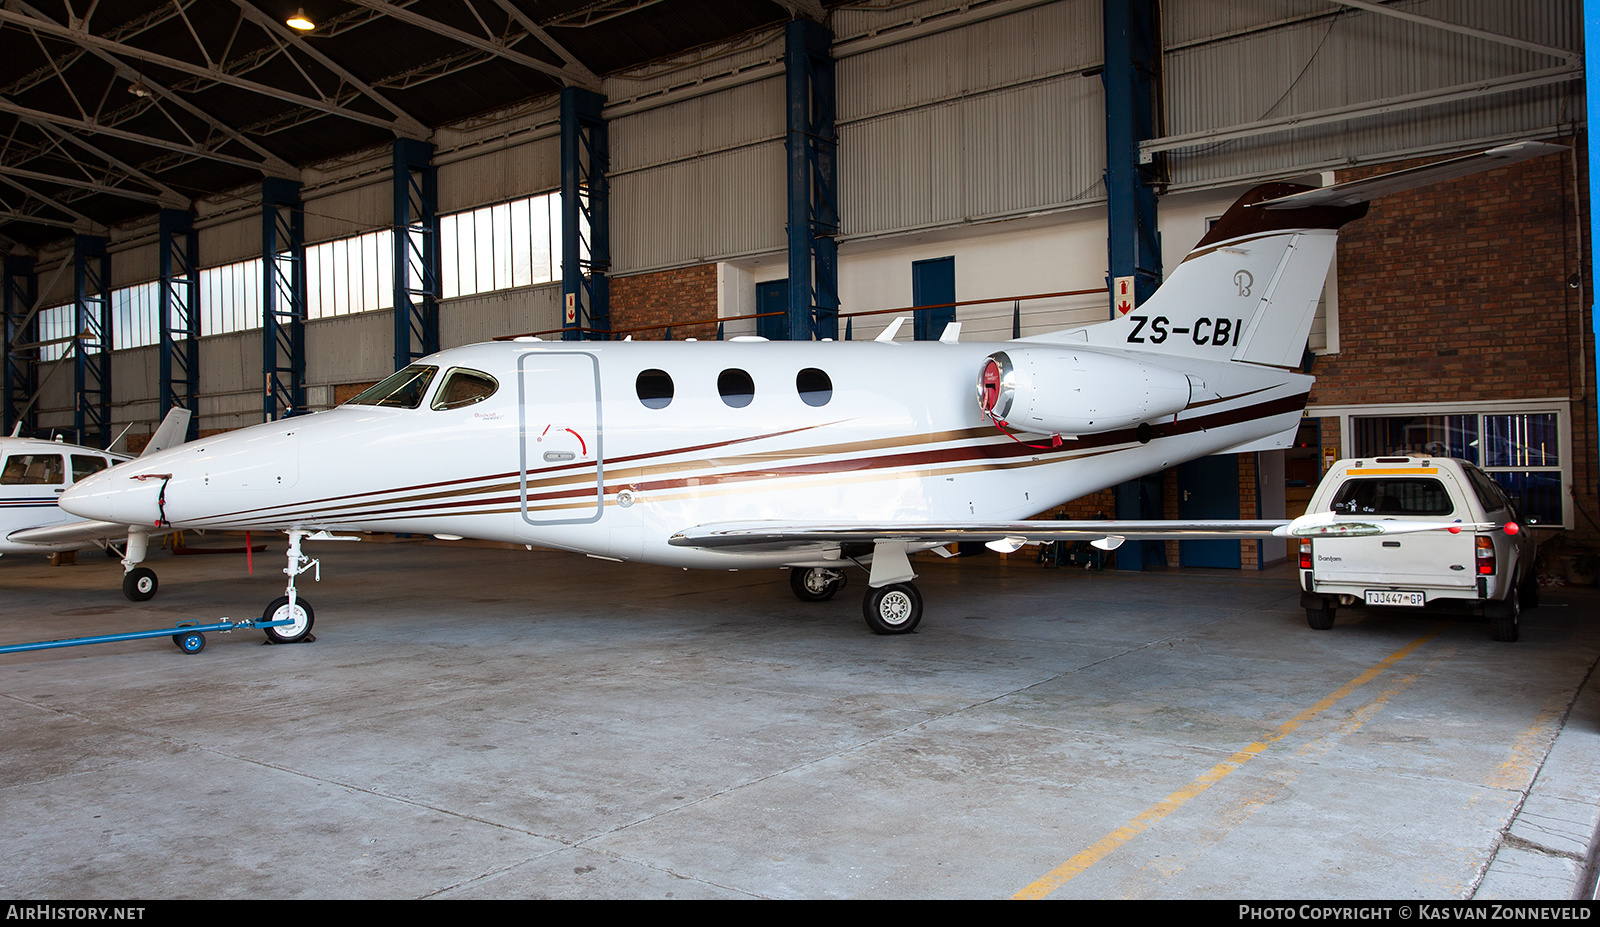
(402, 389)
(32, 470)
(814, 386)
(736, 387)
(86, 465)
(463, 387)
(654, 388)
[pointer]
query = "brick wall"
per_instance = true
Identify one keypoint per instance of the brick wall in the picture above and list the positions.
(668, 297)
(1464, 291)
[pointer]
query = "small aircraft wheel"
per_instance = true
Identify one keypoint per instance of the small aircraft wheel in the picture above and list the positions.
(1320, 619)
(139, 584)
(190, 641)
(297, 629)
(1505, 618)
(894, 609)
(815, 584)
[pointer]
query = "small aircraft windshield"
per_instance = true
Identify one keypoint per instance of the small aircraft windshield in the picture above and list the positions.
(463, 387)
(402, 389)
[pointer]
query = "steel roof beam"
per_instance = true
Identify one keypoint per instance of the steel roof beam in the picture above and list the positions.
(39, 116)
(172, 197)
(81, 184)
(405, 125)
(566, 73)
(86, 39)
(589, 80)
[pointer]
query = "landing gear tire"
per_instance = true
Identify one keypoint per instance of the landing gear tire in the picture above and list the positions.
(297, 629)
(190, 641)
(815, 584)
(1505, 618)
(139, 584)
(894, 609)
(1320, 619)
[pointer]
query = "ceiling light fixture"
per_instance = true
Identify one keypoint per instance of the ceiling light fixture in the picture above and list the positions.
(138, 89)
(300, 21)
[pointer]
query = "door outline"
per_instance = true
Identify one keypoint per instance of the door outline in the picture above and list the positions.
(575, 405)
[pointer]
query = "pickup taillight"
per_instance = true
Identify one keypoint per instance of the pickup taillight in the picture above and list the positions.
(1305, 553)
(1485, 556)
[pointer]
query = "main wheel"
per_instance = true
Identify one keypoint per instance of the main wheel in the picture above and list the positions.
(190, 641)
(1320, 619)
(139, 584)
(894, 609)
(815, 584)
(1505, 618)
(299, 626)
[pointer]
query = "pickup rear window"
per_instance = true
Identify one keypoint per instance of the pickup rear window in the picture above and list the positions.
(1393, 496)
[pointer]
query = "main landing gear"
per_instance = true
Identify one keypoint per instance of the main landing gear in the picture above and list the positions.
(892, 609)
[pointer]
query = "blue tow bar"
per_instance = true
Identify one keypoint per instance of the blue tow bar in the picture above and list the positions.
(188, 635)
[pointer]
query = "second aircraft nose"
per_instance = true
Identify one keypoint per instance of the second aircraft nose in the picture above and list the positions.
(117, 495)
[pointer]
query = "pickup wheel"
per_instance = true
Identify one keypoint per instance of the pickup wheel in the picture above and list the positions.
(1529, 591)
(1320, 619)
(1505, 618)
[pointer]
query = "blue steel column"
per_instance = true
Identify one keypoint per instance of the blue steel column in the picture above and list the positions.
(585, 216)
(20, 289)
(91, 297)
(1132, 37)
(811, 146)
(283, 300)
(1132, 76)
(179, 295)
(416, 251)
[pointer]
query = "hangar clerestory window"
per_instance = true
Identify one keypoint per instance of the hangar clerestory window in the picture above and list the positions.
(402, 389)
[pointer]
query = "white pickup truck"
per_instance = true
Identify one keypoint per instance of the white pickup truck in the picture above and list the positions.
(1490, 570)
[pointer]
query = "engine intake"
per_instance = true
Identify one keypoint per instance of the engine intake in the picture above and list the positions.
(1058, 390)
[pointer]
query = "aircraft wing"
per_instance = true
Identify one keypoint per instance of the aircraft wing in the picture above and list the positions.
(1007, 536)
(773, 536)
(69, 532)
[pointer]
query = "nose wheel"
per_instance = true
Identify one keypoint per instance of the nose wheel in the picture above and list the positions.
(139, 584)
(299, 616)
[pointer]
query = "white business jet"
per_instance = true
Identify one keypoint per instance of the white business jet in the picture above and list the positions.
(35, 474)
(817, 457)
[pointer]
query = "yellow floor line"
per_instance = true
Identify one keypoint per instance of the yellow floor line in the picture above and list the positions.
(1070, 869)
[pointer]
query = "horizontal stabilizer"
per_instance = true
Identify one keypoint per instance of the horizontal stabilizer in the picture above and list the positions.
(1360, 191)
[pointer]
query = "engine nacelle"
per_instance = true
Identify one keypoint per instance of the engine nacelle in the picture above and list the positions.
(1060, 390)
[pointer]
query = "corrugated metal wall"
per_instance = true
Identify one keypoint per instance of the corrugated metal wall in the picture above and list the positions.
(699, 180)
(979, 122)
(1230, 63)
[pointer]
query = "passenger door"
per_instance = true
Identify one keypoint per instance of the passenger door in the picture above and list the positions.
(558, 407)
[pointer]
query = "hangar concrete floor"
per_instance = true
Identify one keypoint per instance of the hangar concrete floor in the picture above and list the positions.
(477, 723)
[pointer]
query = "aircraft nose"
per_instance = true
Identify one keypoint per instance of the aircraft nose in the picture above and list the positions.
(116, 496)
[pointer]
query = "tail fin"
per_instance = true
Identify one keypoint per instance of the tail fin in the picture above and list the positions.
(172, 431)
(1247, 292)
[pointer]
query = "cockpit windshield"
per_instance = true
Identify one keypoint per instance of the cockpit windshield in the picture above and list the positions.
(402, 389)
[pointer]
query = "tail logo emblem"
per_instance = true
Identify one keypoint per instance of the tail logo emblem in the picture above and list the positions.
(1243, 280)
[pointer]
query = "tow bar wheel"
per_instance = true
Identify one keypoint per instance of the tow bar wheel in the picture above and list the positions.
(299, 625)
(190, 641)
(893, 609)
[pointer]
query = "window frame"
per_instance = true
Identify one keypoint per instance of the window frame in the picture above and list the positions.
(1560, 407)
